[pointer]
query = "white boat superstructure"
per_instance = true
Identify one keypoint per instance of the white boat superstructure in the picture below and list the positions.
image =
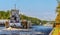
(15, 18)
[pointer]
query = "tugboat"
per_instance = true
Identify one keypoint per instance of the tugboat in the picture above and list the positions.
(15, 25)
(15, 21)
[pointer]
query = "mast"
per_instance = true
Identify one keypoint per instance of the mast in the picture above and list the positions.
(15, 6)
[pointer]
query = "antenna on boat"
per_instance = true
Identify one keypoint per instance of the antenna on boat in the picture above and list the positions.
(15, 6)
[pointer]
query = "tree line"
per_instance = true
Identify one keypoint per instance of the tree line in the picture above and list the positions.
(6, 15)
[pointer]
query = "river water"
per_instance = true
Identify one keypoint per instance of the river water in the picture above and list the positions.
(43, 29)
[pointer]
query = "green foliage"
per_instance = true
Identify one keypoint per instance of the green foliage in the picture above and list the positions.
(33, 20)
(4, 15)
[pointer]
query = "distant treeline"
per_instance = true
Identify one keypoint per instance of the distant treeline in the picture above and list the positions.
(6, 15)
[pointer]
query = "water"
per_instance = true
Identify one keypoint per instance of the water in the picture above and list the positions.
(2, 28)
(43, 29)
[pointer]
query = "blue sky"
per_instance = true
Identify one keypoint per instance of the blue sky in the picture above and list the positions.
(42, 9)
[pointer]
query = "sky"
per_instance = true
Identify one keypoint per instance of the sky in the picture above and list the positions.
(42, 9)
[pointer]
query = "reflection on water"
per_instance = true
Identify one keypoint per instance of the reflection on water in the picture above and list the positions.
(43, 29)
